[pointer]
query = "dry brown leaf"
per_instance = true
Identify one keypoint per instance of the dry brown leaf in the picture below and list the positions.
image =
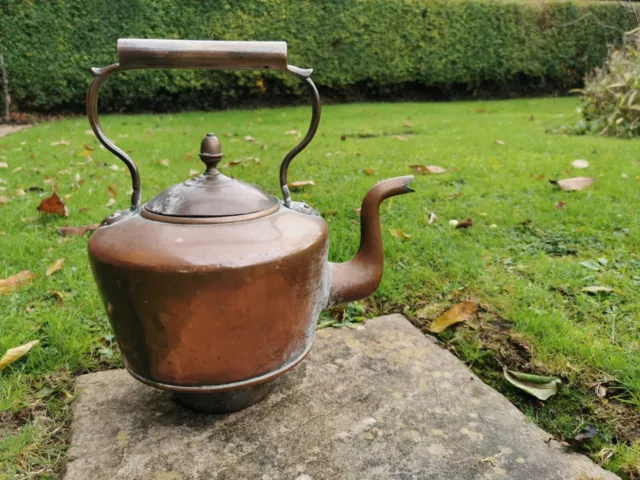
(580, 164)
(300, 183)
(458, 313)
(369, 171)
(78, 231)
(58, 296)
(577, 183)
(4, 200)
(54, 267)
(84, 153)
(164, 162)
(110, 203)
(426, 169)
(15, 353)
(193, 173)
(231, 164)
(112, 190)
(399, 234)
(465, 223)
(400, 137)
(560, 205)
(539, 177)
(12, 283)
(54, 205)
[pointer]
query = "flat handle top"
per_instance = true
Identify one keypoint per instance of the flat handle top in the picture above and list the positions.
(205, 54)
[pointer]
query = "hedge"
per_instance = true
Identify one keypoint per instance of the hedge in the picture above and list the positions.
(358, 48)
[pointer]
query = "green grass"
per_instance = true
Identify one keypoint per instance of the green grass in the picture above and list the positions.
(525, 271)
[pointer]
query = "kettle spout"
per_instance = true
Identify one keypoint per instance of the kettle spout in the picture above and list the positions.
(361, 276)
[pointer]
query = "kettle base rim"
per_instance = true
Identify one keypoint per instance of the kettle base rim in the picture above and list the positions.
(223, 387)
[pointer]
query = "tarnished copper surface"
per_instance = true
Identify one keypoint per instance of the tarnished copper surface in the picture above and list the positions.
(361, 276)
(215, 304)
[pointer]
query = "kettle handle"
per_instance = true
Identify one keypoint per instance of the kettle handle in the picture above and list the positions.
(134, 54)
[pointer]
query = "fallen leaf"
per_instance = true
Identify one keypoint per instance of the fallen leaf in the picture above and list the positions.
(193, 173)
(54, 267)
(595, 289)
(231, 164)
(164, 162)
(458, 313)
(112, 190)
(400, 137)
(58, 296)
(498, 142)
(4, 200)
(580, 164)
(539, 177)
(560, 205)
(44, 392)
(78, 231)
(111, 202)
(426, 169)
(585, 434)
(357, 210)
(300, 184)
(15, 353)
(591, 265)
(54, 205)
(20, 192)
(432, 218)
(399, 234)
(84, 153)
(540, 387)
(369, 171)
(577, 183)
(292, 132)
(465, 223)
(4, 165)
(12, 283)
(63, 142)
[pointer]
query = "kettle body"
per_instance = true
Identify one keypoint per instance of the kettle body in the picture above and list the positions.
(212, 306)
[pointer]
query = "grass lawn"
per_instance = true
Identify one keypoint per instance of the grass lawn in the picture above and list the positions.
(524, 259)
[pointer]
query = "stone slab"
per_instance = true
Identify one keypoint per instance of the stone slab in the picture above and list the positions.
(380, 402)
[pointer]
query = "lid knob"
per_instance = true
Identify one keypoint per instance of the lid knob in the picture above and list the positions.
(211, 153)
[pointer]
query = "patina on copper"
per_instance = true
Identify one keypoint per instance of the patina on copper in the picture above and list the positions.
(214, 287)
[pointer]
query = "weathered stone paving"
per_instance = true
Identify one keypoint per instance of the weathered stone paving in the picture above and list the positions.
(380, 402)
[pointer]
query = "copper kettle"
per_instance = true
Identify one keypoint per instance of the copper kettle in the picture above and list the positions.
(214, 287)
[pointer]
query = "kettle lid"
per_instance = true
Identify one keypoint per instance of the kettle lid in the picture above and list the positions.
(211, 194)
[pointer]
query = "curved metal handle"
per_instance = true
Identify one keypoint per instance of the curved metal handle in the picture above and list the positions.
(143, 53)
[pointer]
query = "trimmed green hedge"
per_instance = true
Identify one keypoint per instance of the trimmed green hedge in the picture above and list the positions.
(359, 48)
